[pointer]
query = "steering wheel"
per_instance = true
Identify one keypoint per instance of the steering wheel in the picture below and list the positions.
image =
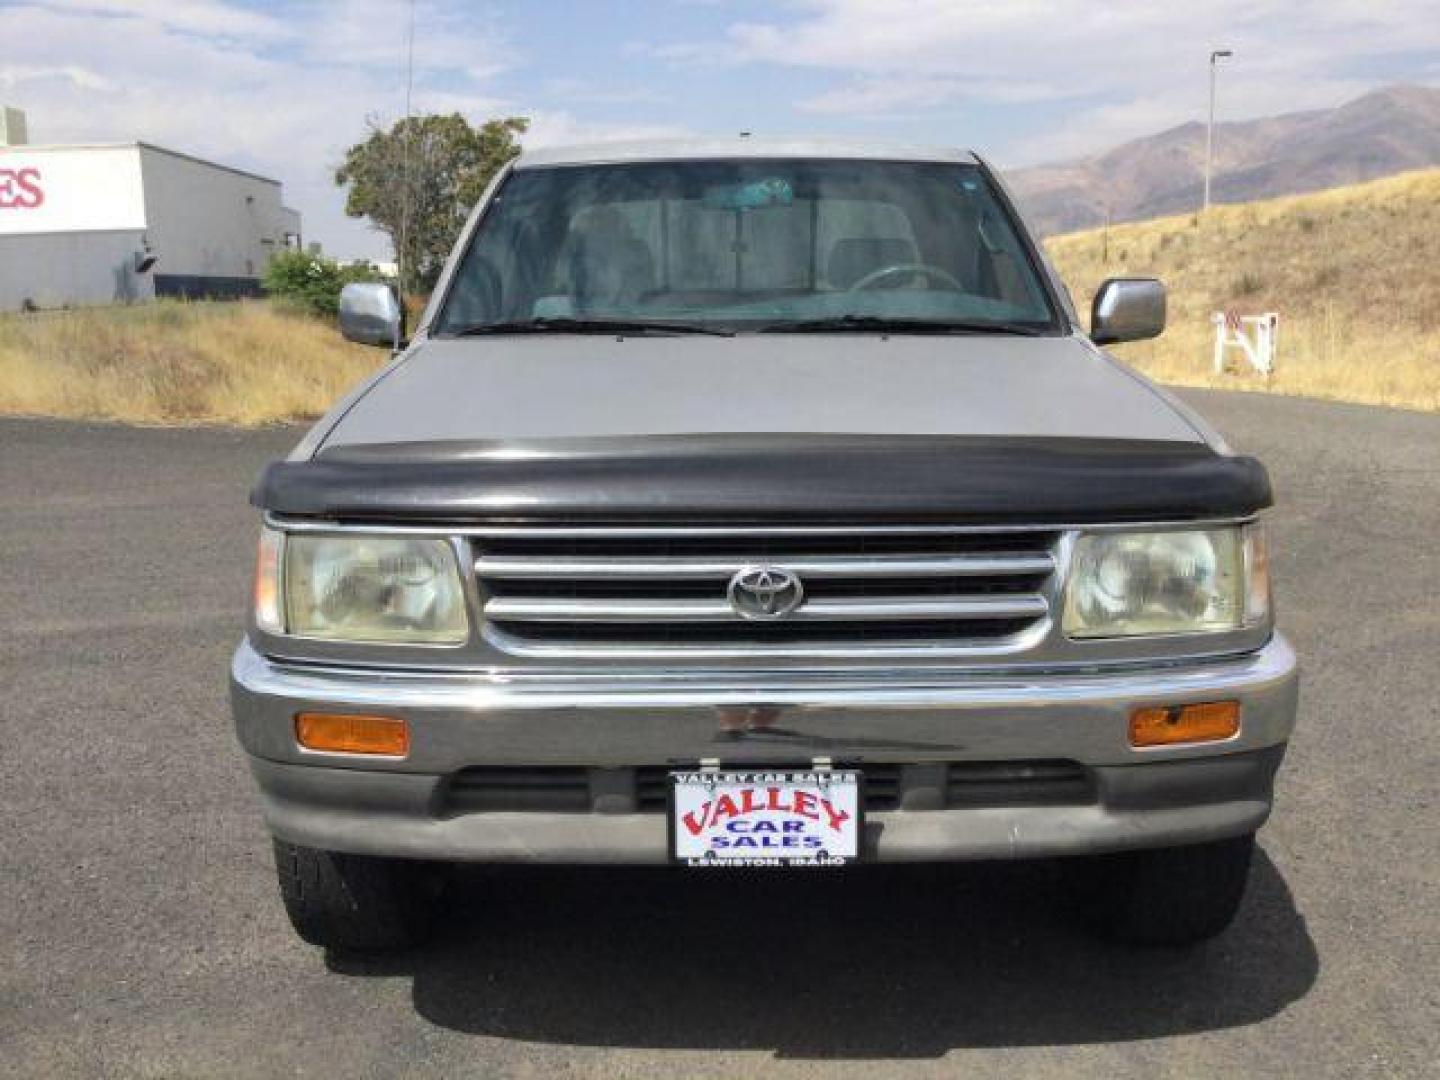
(934, 273)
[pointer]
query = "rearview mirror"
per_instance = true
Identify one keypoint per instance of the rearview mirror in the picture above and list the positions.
(371, 314)
(1127, 309)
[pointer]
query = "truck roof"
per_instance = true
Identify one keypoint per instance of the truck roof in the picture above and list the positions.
(736, 147)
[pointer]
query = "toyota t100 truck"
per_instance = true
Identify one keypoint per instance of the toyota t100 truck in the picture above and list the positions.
(745, 505)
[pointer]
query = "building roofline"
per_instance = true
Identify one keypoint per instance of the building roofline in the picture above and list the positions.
(138, 145)
(211, 164)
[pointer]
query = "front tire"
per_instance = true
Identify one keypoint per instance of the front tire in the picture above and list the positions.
(357, 903)
(1168, 896)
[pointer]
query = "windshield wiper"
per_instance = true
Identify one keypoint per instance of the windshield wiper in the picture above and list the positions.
(875, 324)
(586, 326)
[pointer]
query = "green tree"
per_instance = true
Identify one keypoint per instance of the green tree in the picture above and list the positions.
(418, 179)
(313, 282)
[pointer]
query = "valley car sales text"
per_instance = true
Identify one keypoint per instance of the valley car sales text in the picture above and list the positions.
(743, 824)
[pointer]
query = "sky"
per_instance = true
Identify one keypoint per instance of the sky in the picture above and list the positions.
(282, 87)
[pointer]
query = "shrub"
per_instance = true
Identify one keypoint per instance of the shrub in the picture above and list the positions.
(312, 283)
(1247, 284)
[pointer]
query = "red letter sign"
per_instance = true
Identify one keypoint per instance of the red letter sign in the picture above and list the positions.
(20, 189)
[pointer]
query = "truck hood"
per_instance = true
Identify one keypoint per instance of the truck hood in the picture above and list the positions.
(829, 428)
(523, 389)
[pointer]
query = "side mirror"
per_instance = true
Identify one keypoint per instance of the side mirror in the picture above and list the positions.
(1127, 309)
(371, 314)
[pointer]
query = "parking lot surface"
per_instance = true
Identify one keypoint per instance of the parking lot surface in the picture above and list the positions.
(141, 933)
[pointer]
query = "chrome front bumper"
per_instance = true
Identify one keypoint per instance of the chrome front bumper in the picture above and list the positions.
(1148, 798)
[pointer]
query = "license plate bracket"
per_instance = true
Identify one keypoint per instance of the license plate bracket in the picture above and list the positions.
(769, 818)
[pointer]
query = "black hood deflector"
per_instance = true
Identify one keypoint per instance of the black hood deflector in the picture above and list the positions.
(737, 478)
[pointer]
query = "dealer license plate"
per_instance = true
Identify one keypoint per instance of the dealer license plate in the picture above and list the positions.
(765, 818)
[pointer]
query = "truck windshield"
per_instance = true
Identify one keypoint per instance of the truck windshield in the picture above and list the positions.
(748, 245)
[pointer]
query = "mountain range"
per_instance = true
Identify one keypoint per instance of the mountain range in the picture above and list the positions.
(1383, 132)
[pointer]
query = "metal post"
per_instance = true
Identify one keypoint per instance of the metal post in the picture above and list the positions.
(1218, 54)
(401, 263)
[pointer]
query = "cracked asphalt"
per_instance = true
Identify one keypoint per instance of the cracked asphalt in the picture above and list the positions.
(141, 934)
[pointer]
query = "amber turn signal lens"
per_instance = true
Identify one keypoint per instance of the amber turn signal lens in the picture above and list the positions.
(353, 734)
(1169, 724)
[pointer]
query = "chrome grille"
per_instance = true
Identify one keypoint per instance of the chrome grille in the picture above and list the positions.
(872, 591)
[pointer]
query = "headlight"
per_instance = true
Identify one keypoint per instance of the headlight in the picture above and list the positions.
(1181, 581)
(354, 587)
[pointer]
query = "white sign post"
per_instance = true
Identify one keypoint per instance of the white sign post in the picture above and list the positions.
(1253, 335)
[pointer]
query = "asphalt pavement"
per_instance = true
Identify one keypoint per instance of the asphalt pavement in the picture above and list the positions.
(141, 933)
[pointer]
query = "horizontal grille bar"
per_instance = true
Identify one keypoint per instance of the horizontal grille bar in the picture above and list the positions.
(854, 566)
(853, 592)
(746, 545)
(690, 611)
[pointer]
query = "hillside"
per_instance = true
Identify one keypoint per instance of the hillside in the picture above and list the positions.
(1352, 272)
(1383, 133)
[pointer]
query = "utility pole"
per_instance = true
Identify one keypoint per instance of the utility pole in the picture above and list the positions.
(1217, 54)
(401, 266)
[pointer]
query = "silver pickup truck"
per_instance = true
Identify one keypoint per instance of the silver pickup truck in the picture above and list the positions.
(741, 504)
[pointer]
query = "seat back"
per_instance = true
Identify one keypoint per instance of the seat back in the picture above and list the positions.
(852, 258)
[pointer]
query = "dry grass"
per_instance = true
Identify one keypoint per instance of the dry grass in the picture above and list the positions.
(172, 362)
(1353, 273)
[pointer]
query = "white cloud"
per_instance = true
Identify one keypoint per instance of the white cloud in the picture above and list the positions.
(284, 97)
(13, 75)
(207, 17)
(557, 128)
(457, 37)
(589, 92)
(1145, 60)
(285, 89)
(881, 96)
(1102, 127)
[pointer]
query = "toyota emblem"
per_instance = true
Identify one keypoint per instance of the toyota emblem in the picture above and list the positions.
(765, 592)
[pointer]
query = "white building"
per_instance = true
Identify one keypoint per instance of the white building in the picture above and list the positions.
(115, 223)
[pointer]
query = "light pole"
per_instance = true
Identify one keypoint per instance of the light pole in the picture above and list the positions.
(1217, 54)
